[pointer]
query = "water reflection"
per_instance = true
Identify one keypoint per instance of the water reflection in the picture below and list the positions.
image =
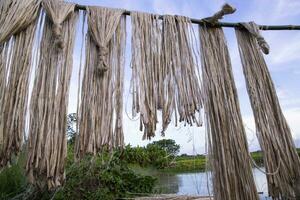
(200, 183)
(169, 183)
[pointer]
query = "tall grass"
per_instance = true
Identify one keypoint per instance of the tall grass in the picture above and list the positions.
(12, 179)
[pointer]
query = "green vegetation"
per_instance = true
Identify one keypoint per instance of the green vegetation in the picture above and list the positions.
(113, 175)
(257, 156)
(187, 165)
(12, 179)
(109, 175)
(106, 176)
(159, 155)
(168, 145)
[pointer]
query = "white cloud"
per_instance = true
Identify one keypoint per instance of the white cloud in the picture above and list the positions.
(284, 51)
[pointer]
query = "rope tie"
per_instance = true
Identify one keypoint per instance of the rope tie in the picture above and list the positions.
(103, 24)
(103, 52)
(226, 10)
(57, 33)
(253, 29)
(58, 12)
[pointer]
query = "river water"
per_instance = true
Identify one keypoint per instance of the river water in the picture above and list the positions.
(199, 183)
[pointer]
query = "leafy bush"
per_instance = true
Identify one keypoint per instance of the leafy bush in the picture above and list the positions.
(106, 176)
(12, 179)
(258, 158)
(167, 145)
(158, 157)
(103, 177)
(159, 154)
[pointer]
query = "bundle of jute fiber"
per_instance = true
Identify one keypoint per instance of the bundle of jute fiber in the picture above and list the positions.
(280, 156)
(16, 15)
(146, 81)
(101, 111)
(181, 77)
(47, 145)
(165, 74)
(227, 144)
(16, 40)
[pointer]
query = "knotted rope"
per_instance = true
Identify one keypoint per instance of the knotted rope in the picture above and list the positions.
(253, 28)
(58, 11)
(102, 25)
(57, 33)
(103, 52)
(226, 10)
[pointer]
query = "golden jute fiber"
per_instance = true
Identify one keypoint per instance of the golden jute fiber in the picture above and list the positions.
(165, 73)
(18, 21)
(101, 102)
(47, 143)
(280, 156)
(227, 143)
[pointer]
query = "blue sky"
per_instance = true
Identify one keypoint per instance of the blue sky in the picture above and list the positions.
(283, 61)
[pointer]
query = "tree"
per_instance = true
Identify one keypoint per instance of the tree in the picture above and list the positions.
(168, 145)
(71, 127)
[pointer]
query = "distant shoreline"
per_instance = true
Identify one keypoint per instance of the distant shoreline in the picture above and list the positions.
(188, 163)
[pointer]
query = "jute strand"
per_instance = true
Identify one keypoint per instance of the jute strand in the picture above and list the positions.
(118, 71)
(47, 145)
(182, 91)
(228, 149)
(272, 130)
(101, 103)
(165, 75)
(15, 16)
(146, 74)
(16, 40)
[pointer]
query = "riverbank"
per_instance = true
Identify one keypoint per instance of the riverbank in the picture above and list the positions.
(174, 197)
(185, 163)
(198, 184)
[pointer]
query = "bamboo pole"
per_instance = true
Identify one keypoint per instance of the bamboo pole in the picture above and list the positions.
(221, 24)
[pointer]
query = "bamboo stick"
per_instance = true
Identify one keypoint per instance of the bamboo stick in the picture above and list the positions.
(220, 24)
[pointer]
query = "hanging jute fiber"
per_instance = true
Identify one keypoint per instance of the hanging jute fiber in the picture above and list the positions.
(146, 75)
(227, 143)
(280, 156)
(101, 103)
(165, 73)
(47, 145)
(18, 21)
(181, 77)
(15, 16)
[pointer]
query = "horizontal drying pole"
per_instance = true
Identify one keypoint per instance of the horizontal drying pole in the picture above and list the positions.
(222, 24)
